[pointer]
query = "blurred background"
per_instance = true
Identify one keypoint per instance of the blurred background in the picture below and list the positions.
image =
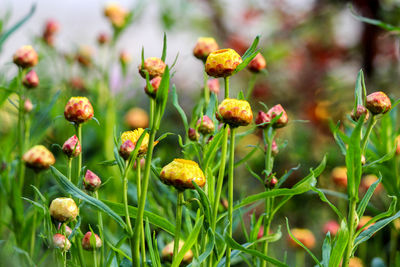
(314, 50)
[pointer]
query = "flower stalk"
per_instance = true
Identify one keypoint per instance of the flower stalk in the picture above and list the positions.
(179, 205)
(230, 190)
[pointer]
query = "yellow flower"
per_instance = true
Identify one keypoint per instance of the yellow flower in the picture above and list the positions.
(38, 158)
(63, 209)
(235, 112)
(78, 110)
(134, 136)
(181, 172)
(204, 46)
(222, 63)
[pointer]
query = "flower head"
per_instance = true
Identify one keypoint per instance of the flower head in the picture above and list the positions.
(116, 14)
(257, 64)
(360, 110)
(137, 118)
(222, 63)
(181, 172)
(276, 111)
(204, 46)
(78, 110)
(38, 158)
(72, 147)
(154, 67)
(235, 112)
(91, 181)
(25, 57)
(61, 242)
(134, 136)
(86, 244)
(63, 209)
(30, 80)
(378, 103)
(205, 125)
(168, 252)
(305, 236)
(155, 83)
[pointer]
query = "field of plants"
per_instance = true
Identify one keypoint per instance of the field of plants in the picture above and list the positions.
(279, 147)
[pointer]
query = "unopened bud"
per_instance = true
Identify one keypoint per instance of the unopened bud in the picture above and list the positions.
(155, 83)
(213, 85)
(63, 209)
(363, 160)
(72, 147)
(124, 58)
(361, 110)
(331, 227)
(28, 106)
(154, 67)
(204, 46)
(78, 110)
(91, 182)
(234, 112)
(271, 182)
(257, 64)
(262, 120)
(305, 236)
(378, 103)
(205, 125)
(363, 221)
(38, 158)
(51, 27)
(25, 57)
(103, 38)
(167, 253)
(181, 174)
(86, 244)
(137, 118)
(339, 176)
(61, 242)
(397, 141)
(193, 134)
(126, 149)
(222, 63)
(274, 148)
(276, 111)
(84, 56)
(31, 80)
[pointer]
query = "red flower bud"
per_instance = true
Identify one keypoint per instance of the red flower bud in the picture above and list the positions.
(378, 103)
(361, 110)
(51, 27)
(126, 149)
(257, 64)
(86, 241)
(78, 110)
(155, 83)
(271, 182)
(72, 147)
(261, 118)
(91, 181)
(25, 57)
(339, 176)
(103, 38)
(205, 126)
(193, 134)
(61, 242)
(276, 111)
(397, 140)
(213, 85)
(31, 80)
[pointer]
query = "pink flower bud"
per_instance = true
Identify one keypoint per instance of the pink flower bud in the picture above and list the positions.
(276, 111)
(25, 57)
(61, 242)
(51, 27)
(155, 83)
(378, 103)
(397, 145)
(91, 181)
(193, 134)
(205, 126)
(213, 85)
(261, 118)
(272, 182)
(86, 241)
(72, 147)
(31, 80)
(28, 106)
(126, 149)
(257, 64)
(361, 110)
(38, 158)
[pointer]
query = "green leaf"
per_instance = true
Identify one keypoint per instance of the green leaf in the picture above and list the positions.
(205, 202)
(76, 192)
(286, 175)
(212, 106)
(358, 93)
(164, 136)
(162, 95)
(118, 250)
(326, 250)
(111, 162)
(203, 256)
(153, 218)
(153, 258)
(164, 50)
(248, 55)
(324, 199)
(365, 200)
(340, 243)
(247, 157)
(301, 244)
(189, 242)
(181, 112)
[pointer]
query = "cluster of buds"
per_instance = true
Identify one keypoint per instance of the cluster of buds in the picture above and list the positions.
(91, 181)
(50, 29)
(213, 85)
(332, 227)
(25, 57)
(180, 173)
(129, 140)
(116, 15)
(234, 112)
(222, 63)
(205, 125)
(263, 119)
(204, 46)
(87, 245)
(84, 56)
(378, 103)
(38, 158)
(167, 253)
(72, 147)
(137, 118)
(63, 209)
(103, 38)
(360, 110)
(78, 110)
(61, 242)
(305, 236)
(30, 80)
(257, 64)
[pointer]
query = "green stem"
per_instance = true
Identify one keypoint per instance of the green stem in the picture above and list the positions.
(351, 224)
(393, 246)
(125, 190)
(94, 258)
(226, 81)
(178, 223)
(80, 250)
(139, 191)
(21, 124)
(364, 141)
(101, 227)
(250, 87)
(78, 128)
(69, 168)
(206, 90)
(231, 165)
(300, 258)
(36, 183)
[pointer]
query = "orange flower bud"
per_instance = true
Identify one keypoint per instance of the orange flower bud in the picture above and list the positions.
(168, 252)
(31, 80)
(262, 118)
(103, 38)
(51, 27)
(368, 180)
(155, 83)
(91, 181)
(78, 110)
(126, 149)
(378, 103)
(363, 221)
(204, 46)
(116, 14)
(25, 57)
(193, 134)
(332, 227)
(125, 58)
(339, 176)
(356, 262)
(61, 242)
(72, 147)
(181, 172)
(86, 242)
(305, 236)
(28, 106)
(134, 136)
(361, 110)
(235, 112)
(276, 111)
(222, 63)
(154, 66)
(213, 85)
(137, 118)
(205, 126)
(257, 64)
(38, 158)
(63, 209)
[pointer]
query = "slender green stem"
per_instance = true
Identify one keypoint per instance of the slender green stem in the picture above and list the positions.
(26, 130)
(21, 125)
(65, 258)
(152, 107)
(250, 87)
(94, 257)
(351, 224)
(101, 228)
(125, 190)
(69, 168)
(300, 258)
(36, 183)
(226, 81)
(393, 246)
(231, 165)
(78, 128)
(364, 141)
(179, 205)
(80, 249)
(206, 90)
(139, 191)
